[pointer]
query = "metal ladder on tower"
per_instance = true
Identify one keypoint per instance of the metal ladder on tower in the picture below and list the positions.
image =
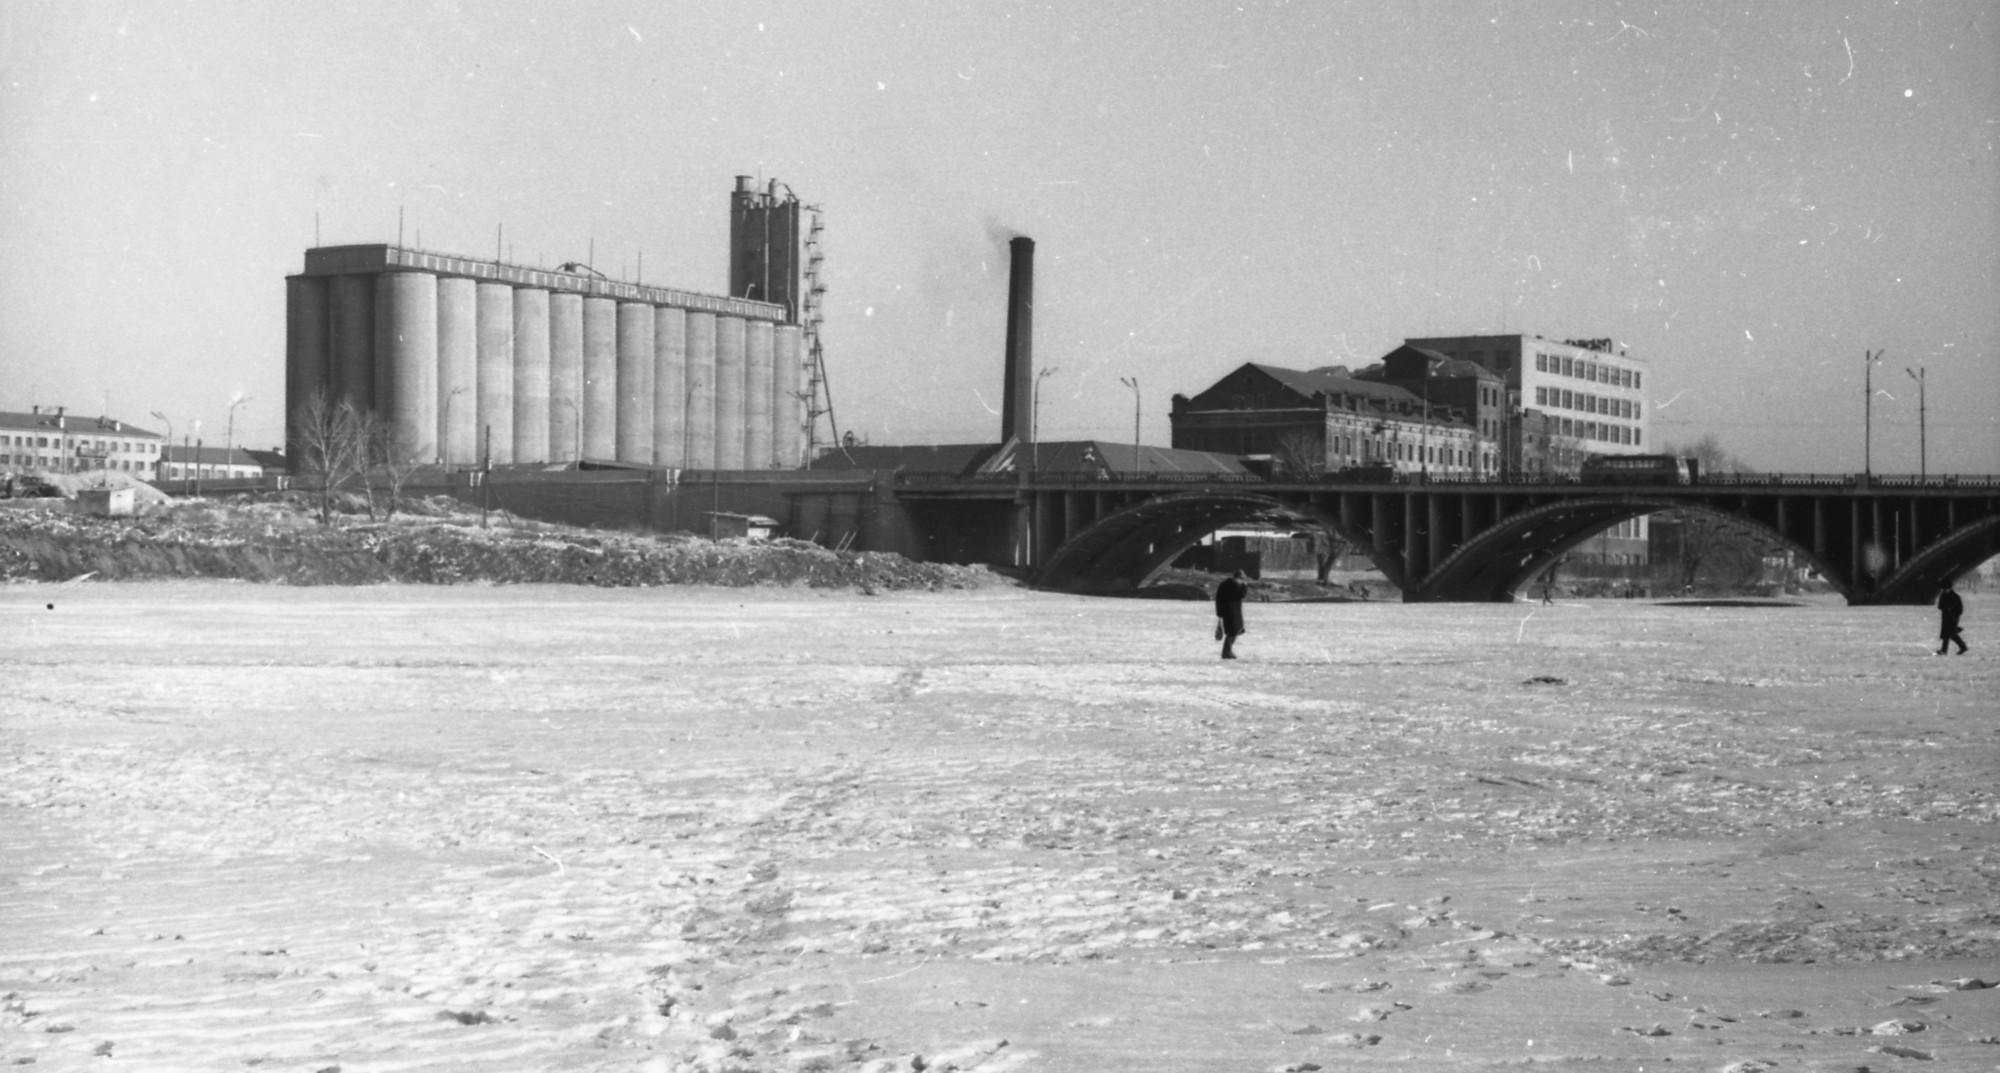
(818, 396)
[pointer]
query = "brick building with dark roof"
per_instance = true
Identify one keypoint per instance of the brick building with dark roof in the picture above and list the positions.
(1327, 420)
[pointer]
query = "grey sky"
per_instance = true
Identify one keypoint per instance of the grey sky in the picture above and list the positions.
(1748, 196)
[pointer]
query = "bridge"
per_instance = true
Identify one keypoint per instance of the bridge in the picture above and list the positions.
(1876, 539)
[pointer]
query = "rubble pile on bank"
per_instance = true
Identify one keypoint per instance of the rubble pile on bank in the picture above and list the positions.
(277, 540)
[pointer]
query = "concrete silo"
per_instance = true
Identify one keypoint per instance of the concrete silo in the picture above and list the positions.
(669, 386)
(351, 340)
(531, 374)
(458, 370)
(565, 376)
(635, 382)
(788, 399)
(495, 378)
(305, 343)
(600, 377)
(700, 390)
(406, 345)
(757, 390)
(729, 394)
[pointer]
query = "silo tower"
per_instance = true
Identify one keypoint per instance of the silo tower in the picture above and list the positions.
(775, 256)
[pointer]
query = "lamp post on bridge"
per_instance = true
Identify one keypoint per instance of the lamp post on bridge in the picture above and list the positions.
(1923, 462)
(1133, 383)
(1035, 460)
(1868, 410)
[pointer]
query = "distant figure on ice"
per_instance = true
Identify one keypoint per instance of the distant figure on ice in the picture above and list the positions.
(1950, 607)
(1229, 612)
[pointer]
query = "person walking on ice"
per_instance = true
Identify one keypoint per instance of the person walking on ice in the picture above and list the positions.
(1229, 612)
(1950, 607)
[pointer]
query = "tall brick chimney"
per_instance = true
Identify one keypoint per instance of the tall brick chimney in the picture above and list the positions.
(1017, 418)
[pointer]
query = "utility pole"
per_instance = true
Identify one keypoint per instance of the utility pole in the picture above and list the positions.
(1923, 463)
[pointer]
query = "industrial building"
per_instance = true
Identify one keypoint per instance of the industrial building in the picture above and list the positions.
(465, 361)
(1317, 421)
(1479, 405)
(1450, 407)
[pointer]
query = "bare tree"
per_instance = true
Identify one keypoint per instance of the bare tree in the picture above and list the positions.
(1302, 453)
(1728, 554)
(330, 441)
(396, 460)
(1327, 548)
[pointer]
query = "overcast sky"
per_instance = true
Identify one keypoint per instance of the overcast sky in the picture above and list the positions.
(1749, 196)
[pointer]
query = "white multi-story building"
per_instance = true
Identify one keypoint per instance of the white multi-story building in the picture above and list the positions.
(1579, 396)
(52, 439)
(1572, 399)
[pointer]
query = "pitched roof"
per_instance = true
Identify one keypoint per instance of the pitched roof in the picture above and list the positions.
(1327, 382)
(74, 424)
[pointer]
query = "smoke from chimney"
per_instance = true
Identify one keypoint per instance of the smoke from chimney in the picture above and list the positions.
(1016, 401)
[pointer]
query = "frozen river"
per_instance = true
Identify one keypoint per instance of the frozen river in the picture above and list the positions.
(553, 828)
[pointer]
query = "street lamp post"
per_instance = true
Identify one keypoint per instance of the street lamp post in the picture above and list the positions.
(1868, 411)
(160, 466)
(1424, 448)
(194, 459)
(1035, 461)
(229, 437)
(1035, 420)
(1133, 383)
(1923, 462)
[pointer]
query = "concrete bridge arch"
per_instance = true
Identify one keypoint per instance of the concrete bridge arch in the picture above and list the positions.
(1470, 542)
(1128, 547)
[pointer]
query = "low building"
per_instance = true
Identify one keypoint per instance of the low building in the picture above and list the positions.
(54, 440)
(201, 463)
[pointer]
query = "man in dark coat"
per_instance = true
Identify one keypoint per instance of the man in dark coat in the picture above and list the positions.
(1950, 607)
(1229, 611)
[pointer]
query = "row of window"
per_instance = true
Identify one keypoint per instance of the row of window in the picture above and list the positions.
(174, 471)
(1357, 449)
(57, 462)
(1601, 431)
(144, 447)
(1565, 399)
(1584, 369)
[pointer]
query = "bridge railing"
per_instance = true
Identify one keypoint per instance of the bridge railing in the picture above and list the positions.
(915, 481)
